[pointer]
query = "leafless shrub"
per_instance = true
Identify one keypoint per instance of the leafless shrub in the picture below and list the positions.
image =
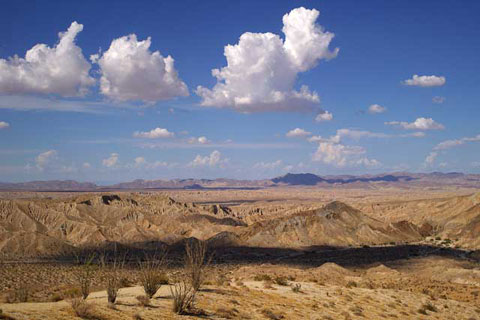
(83, 309)
(85, 275)
(144, 301)
(297, 288)
(152, 273)
(112, 278)
(195, 262)
(183, 294)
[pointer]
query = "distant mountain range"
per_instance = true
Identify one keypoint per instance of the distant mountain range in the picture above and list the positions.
(399, 179)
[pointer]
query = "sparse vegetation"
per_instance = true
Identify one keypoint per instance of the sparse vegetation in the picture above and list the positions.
(83, 309)
(297, 288)
(152, 273)
(281, 280)
(196, 261)
(85, 275)
(262, 277)
(183, 295)
(112, 278)
(269, 314)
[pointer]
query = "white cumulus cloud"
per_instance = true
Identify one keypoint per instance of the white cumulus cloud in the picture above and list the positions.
(324, 116)
(154, 134)
(199, 140)
(430, 159)
(111, 161)
(45, 158)
(61, 69)
(376, 108)
(212, 160)
(130, 71)
(4, 125)
(262, 68)
(340, 155)
(297, 133)
(419, 124)
(425, 81)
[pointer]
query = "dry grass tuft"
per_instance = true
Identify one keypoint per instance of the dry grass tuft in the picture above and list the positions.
(269, 314)
(281, 281)
(83, 309)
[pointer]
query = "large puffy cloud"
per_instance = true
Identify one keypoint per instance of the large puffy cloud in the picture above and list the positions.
(59, 70)
(340, 155)
(262, 68)
(154, 134)
(130, 71)
(419, 124)
(425, 81)
(213, 160)
(4, 125)
(297, 133)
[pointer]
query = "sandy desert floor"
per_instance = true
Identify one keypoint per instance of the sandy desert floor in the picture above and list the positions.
(429, 279)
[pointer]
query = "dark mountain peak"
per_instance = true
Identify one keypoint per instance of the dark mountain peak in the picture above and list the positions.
(307, 179)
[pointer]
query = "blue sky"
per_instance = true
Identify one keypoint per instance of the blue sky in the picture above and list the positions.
(103, 105)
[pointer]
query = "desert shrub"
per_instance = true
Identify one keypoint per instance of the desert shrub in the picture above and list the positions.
(152, 273)
(351, 284)
(221, 280)
(56, 297)
(297, 287)
(144, 301)
(269, 314)
(19, 295)
(112, 277)
(429, 307)
(71, 293)
(281, 281)
(85, 275)
(83, 309)
(422, 311)
(183, 294)
(262, 277)
(196, 261)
